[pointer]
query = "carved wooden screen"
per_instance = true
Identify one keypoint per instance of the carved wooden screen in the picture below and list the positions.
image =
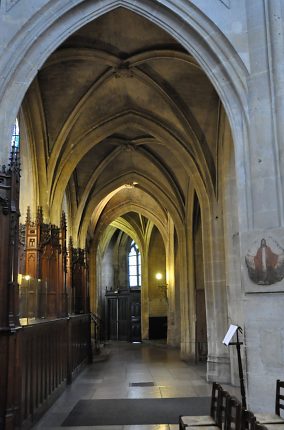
(9, 347)
(79, 280)
(22, 249)
(46, 265)
(50, 267)
(32, 238)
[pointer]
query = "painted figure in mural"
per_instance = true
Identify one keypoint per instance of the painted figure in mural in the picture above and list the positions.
(265, 267)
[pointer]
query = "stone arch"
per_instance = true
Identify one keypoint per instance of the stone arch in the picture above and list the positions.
(48, 28)
(184, 115)
(133, 207)
(161, 132)
(145, 184)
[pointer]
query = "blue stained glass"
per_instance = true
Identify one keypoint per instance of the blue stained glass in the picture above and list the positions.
(15, 141)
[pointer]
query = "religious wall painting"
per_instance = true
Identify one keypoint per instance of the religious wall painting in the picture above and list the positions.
(265, 262)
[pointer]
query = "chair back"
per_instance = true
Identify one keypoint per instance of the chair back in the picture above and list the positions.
(233, 414)
(215, 400)
(279, 398)
(222, 408)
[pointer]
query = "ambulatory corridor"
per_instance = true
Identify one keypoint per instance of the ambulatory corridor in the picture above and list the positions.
(130, 371)
(141, 200)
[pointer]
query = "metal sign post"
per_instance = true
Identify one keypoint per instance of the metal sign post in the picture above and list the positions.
(227, 341)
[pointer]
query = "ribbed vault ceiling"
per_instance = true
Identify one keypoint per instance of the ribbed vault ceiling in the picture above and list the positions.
(121, 103)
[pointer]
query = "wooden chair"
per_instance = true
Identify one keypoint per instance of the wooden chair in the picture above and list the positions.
(279, 404)
(248, 420)
(217, 411)
(279, 399)
(233, 414)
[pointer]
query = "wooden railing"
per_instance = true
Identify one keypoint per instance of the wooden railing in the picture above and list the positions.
(52, 352)
(80, 343)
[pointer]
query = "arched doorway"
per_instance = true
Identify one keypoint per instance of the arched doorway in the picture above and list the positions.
(132, 123)
(149, 137)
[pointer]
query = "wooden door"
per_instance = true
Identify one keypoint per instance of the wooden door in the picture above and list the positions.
(112, 318)
(135, 317)
(123, 316)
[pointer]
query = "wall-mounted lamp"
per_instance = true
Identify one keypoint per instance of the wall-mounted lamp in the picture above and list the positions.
(163, 287)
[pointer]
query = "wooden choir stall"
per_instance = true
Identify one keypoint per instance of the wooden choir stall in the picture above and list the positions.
(44, 311)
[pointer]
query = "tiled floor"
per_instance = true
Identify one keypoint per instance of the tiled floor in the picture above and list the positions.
(111, 379)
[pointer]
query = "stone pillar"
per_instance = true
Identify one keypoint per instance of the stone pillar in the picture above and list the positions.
(187, 291)
(145, 293)
(170, 281)
(234, 287)
(262, 281)
(218, 365)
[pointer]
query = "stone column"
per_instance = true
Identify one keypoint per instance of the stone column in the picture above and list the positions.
(173, 307)
(263, 286)
(218, 365)
(234, 287)
(145, 293)
(187, 291)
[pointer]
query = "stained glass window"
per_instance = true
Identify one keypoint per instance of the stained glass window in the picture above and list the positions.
(15, 141)
(134, 266)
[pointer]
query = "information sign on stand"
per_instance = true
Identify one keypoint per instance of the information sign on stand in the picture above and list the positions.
(234, 329)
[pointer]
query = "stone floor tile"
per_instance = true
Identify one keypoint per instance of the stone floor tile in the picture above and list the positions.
(144, 393)
(173, 392)
(110, 380)
(147, 427)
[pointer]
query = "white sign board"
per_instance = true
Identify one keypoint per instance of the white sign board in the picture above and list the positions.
(230, 333)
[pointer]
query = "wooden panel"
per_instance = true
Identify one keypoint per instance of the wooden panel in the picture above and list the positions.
(112, 305)
(46, 264)
(123, 318)
(135, 315)
(79, 280)
(42, 347)
(49, 351)
(35, 360)
(80, 342)
(9, 323)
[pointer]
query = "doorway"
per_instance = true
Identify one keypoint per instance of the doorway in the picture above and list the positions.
(123, 315)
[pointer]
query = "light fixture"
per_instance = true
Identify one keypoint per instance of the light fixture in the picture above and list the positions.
(164, 287)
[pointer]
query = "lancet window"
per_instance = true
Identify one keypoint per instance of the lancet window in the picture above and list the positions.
(15, 141)
(134, 266)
